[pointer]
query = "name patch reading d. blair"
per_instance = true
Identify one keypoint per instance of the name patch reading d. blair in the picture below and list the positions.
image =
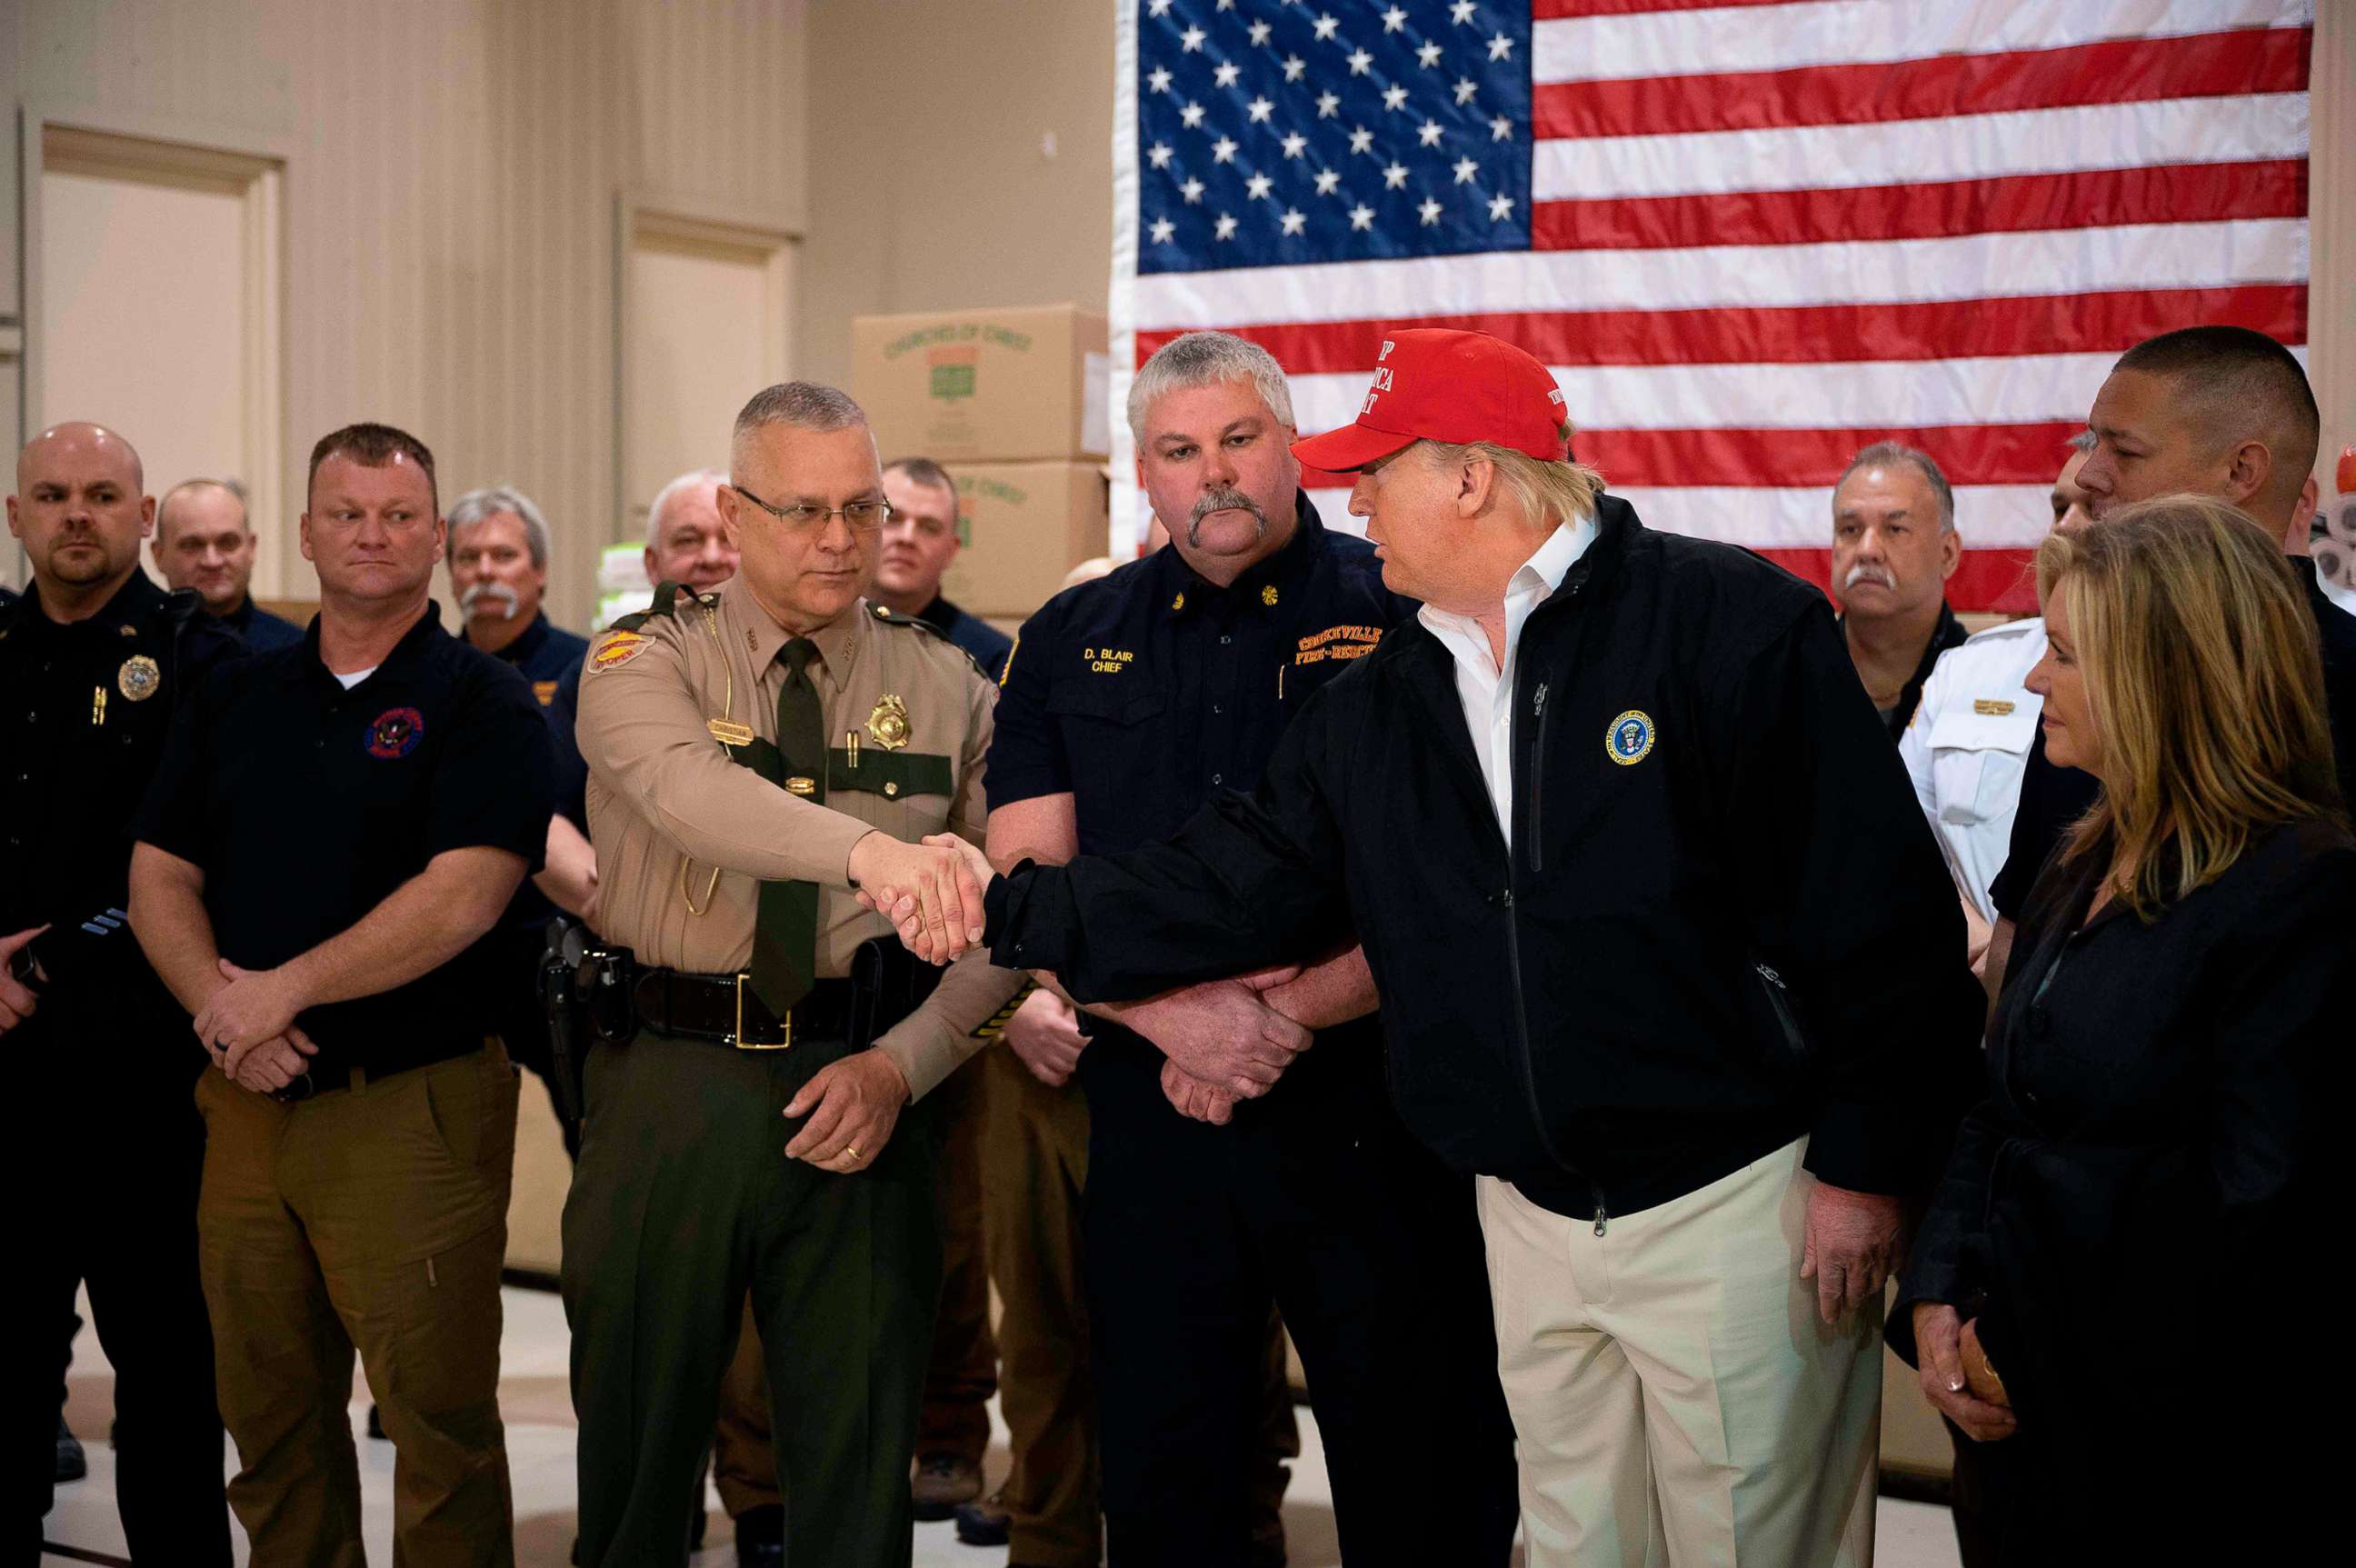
(1338, 642)
(1108, 661)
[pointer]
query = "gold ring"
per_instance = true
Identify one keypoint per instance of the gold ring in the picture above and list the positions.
(852, 1149)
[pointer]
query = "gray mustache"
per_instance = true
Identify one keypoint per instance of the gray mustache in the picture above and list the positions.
(1868, 572)
(1221, 500)
(498, 592)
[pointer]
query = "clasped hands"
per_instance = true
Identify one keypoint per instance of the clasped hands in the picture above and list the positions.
(247, 1026)
(1224, 1040)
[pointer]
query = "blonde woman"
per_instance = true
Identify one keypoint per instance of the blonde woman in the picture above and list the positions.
(2098, 1290)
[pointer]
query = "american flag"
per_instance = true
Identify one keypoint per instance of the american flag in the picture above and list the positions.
(1749, 236)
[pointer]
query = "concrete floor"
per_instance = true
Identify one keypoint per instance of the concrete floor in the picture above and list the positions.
(539, 1455)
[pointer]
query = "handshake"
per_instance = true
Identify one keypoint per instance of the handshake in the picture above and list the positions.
(1226, 1040)
(930, 891)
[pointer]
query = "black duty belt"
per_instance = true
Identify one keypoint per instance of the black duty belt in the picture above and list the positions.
(726, 1010)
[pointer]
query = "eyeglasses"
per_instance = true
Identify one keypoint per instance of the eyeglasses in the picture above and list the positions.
(860, 516)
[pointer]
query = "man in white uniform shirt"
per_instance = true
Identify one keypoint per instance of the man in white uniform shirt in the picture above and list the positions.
(1970, 735)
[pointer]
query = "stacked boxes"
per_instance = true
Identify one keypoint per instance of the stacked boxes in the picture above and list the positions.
(1012, 403)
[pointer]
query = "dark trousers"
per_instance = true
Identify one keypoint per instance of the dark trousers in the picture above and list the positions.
(107, 1194)
(1316, 1198)
(1035, 1172)
(1977, 1499)
(682, 1203)
(963, 1371)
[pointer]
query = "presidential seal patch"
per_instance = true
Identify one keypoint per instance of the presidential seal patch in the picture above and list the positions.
(139, 679)
(395, 732)
(616, 648)
(888, 724)
(1630, 737)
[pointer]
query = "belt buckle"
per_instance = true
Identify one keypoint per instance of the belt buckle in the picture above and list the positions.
(738, 1039)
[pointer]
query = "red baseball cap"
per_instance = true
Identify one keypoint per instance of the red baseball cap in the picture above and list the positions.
(1435, 384)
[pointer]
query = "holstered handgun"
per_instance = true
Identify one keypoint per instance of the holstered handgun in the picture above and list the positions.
(577, 992)
(887, 983)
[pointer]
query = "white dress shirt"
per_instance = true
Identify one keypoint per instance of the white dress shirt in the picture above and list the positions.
(1485, 687)
(1967, 746)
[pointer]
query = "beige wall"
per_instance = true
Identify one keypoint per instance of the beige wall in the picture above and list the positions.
(451, 176)
(928, 184)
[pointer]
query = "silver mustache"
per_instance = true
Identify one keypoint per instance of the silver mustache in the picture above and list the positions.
(506, 598)
(1223, 500)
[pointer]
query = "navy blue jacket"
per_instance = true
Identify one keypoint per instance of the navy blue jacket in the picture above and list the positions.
(1718, 922)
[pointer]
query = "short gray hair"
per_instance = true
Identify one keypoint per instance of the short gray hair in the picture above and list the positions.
(475, 506)
(1890, 454)
(806, 405)
(1207, 358)
(671, 492)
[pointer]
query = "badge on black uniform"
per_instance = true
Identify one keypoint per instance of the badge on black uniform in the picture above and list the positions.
(139, 679)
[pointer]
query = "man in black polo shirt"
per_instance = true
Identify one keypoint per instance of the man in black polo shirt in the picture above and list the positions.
(1129, 702)
(93, 662)
(499, 569)
(329, 839)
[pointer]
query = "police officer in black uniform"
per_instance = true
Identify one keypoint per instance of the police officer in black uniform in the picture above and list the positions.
(498, 570)
(93, 659)
(1127, 703)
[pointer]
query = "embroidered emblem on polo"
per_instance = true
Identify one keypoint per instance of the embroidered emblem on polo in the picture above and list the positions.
(395, 732)
(1629, 740)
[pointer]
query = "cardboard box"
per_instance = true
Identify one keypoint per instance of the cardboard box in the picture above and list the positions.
(998, 386)
(1024, 525)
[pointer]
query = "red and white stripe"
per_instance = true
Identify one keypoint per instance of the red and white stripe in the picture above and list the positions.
(1852, 219)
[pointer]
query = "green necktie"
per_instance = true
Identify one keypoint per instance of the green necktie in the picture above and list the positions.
(784, 932)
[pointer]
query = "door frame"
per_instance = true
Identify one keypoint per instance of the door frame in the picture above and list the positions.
(71, 144)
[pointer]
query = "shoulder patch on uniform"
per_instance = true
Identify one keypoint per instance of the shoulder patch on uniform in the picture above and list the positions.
(616, 647)
(892, 617)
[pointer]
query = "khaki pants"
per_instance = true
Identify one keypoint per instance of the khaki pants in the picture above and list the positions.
(373, 1217)
(1034, 1166)
(1677, 1398)
(1034, 1175)
(963, 1373)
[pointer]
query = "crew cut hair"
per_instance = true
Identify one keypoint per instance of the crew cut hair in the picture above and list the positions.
(1207, 358)
(489, 501)
(372, 446)
(923, 471)
(806, 405)
(2240, 385)
(1889, 455)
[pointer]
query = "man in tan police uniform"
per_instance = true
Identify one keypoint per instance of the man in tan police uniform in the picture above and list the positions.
(754, 754)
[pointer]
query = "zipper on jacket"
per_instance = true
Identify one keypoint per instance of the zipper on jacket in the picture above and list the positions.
(1600, 1216)
(1522, 1027)
(1532, 818)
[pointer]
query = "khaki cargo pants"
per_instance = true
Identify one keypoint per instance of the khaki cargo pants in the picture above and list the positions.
(372, 1216)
